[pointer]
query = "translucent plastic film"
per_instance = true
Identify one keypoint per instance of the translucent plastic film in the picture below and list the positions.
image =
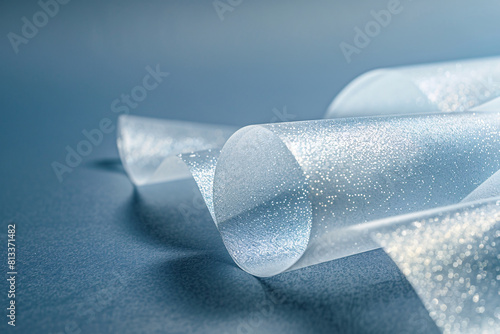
(423, 184)
(452, 259)
(149, 147)
(490, 188)
(288, 195)
(471, 85)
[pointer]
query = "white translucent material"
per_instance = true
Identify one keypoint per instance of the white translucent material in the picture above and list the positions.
(149, 147)
(202, 166)
(289, 195)
(452, 259)
(467, 85)
(283, 191)
(489, 188)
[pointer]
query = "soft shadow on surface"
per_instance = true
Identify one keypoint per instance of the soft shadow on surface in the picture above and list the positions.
(365, 293)
(113, 165)
(173, 215)
(210, 286)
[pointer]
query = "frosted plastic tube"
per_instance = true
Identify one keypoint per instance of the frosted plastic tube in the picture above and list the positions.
(281, 192)
(466, 85)
(149, 147)
(289, 195)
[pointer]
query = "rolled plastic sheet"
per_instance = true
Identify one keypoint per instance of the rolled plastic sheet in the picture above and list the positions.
(466, 85)
(452, 260)
(287, 195)
(149, 147)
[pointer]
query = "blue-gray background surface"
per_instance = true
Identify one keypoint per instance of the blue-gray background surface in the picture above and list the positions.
(97, 256)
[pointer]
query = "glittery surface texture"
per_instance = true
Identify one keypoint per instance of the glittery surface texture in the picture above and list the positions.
(202, 166)
(470, 85)
(286, 195)
(149, 147)
(424, 185)
(452, 259)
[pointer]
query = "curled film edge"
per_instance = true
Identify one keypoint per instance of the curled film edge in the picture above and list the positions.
(279, 193)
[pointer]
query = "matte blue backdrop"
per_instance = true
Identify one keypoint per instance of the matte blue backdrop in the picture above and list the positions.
(97, 256)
